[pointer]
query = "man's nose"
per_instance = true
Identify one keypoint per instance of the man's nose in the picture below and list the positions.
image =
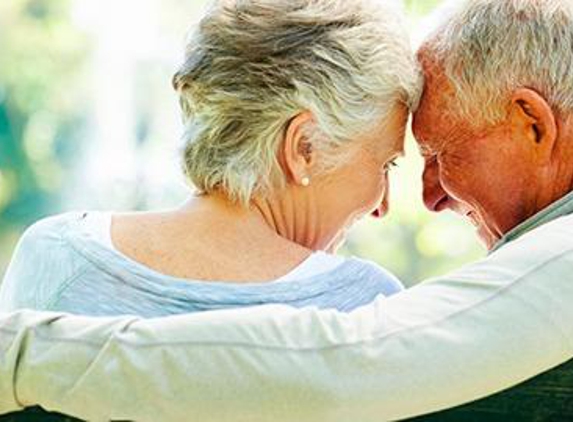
(434, 194)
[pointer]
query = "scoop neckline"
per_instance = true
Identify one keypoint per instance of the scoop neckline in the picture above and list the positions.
(102, 256)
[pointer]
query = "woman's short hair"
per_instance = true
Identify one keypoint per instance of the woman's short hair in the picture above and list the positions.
(252, 65)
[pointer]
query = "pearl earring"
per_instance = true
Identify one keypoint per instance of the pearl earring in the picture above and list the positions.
(305, 181)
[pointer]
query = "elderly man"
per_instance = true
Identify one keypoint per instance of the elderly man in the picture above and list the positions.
(495, 126)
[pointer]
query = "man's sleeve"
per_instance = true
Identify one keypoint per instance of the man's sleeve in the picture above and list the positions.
(448, 341)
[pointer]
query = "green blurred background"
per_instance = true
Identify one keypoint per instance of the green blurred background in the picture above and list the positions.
(88, 120)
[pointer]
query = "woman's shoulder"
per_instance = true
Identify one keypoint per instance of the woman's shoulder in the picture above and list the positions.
(353, 283)
(48, 234)
(51, 226)
(371, 274)
(42, 261)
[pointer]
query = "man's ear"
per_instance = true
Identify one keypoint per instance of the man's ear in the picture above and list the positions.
(534, 118)
(298, 153)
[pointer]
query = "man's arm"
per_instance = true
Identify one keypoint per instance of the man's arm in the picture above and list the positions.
(448, 341)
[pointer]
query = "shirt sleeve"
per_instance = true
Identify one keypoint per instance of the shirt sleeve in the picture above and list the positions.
(453, 339)
(41, 265)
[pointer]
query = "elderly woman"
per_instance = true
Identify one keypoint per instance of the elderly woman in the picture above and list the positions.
(295, 112)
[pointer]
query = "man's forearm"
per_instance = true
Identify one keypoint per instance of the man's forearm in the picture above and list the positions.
(437, 345)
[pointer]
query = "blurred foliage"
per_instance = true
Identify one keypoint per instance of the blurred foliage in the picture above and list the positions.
(40, 53)
(44, 112)
(420, 7)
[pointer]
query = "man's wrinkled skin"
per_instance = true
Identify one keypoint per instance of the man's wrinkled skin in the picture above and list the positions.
(495, 175)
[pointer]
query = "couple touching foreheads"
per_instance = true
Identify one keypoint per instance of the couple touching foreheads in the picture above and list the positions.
(295, 112)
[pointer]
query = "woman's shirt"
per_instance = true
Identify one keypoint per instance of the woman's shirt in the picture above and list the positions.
(68, 263)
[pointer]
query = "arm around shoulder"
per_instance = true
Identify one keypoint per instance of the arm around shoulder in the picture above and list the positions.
(448, 341)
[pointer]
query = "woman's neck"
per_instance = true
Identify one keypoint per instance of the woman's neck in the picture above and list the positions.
(265, 217)
(226, 241)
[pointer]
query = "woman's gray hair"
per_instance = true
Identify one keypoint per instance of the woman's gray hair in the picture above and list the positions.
(253, 65)
(489, 48)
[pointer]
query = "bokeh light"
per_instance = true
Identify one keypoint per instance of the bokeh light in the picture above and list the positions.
(88, 120)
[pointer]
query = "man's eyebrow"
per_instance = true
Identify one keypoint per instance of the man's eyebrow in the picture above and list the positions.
(424, 148)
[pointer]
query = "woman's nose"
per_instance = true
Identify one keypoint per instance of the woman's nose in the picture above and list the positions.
(384, 206)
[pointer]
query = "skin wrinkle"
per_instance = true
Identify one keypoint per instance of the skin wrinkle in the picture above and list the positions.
(562, 154)
(296, 223)
(269, 215)
(311, 237)
(466, 167)
(286, 219)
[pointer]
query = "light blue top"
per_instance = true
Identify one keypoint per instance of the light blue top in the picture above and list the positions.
(57, 266)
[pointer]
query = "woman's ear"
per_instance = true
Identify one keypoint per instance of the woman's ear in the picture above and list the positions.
(534, 120)
(298, 153)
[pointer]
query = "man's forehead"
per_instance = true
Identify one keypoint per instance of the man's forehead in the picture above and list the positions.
(433, 127)
(432, 121)
(429, 121)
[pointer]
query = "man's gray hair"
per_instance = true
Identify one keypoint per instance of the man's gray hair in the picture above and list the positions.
(488, 48)
(253, 65)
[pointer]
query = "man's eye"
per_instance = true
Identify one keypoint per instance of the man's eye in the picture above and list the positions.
(431, 158)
